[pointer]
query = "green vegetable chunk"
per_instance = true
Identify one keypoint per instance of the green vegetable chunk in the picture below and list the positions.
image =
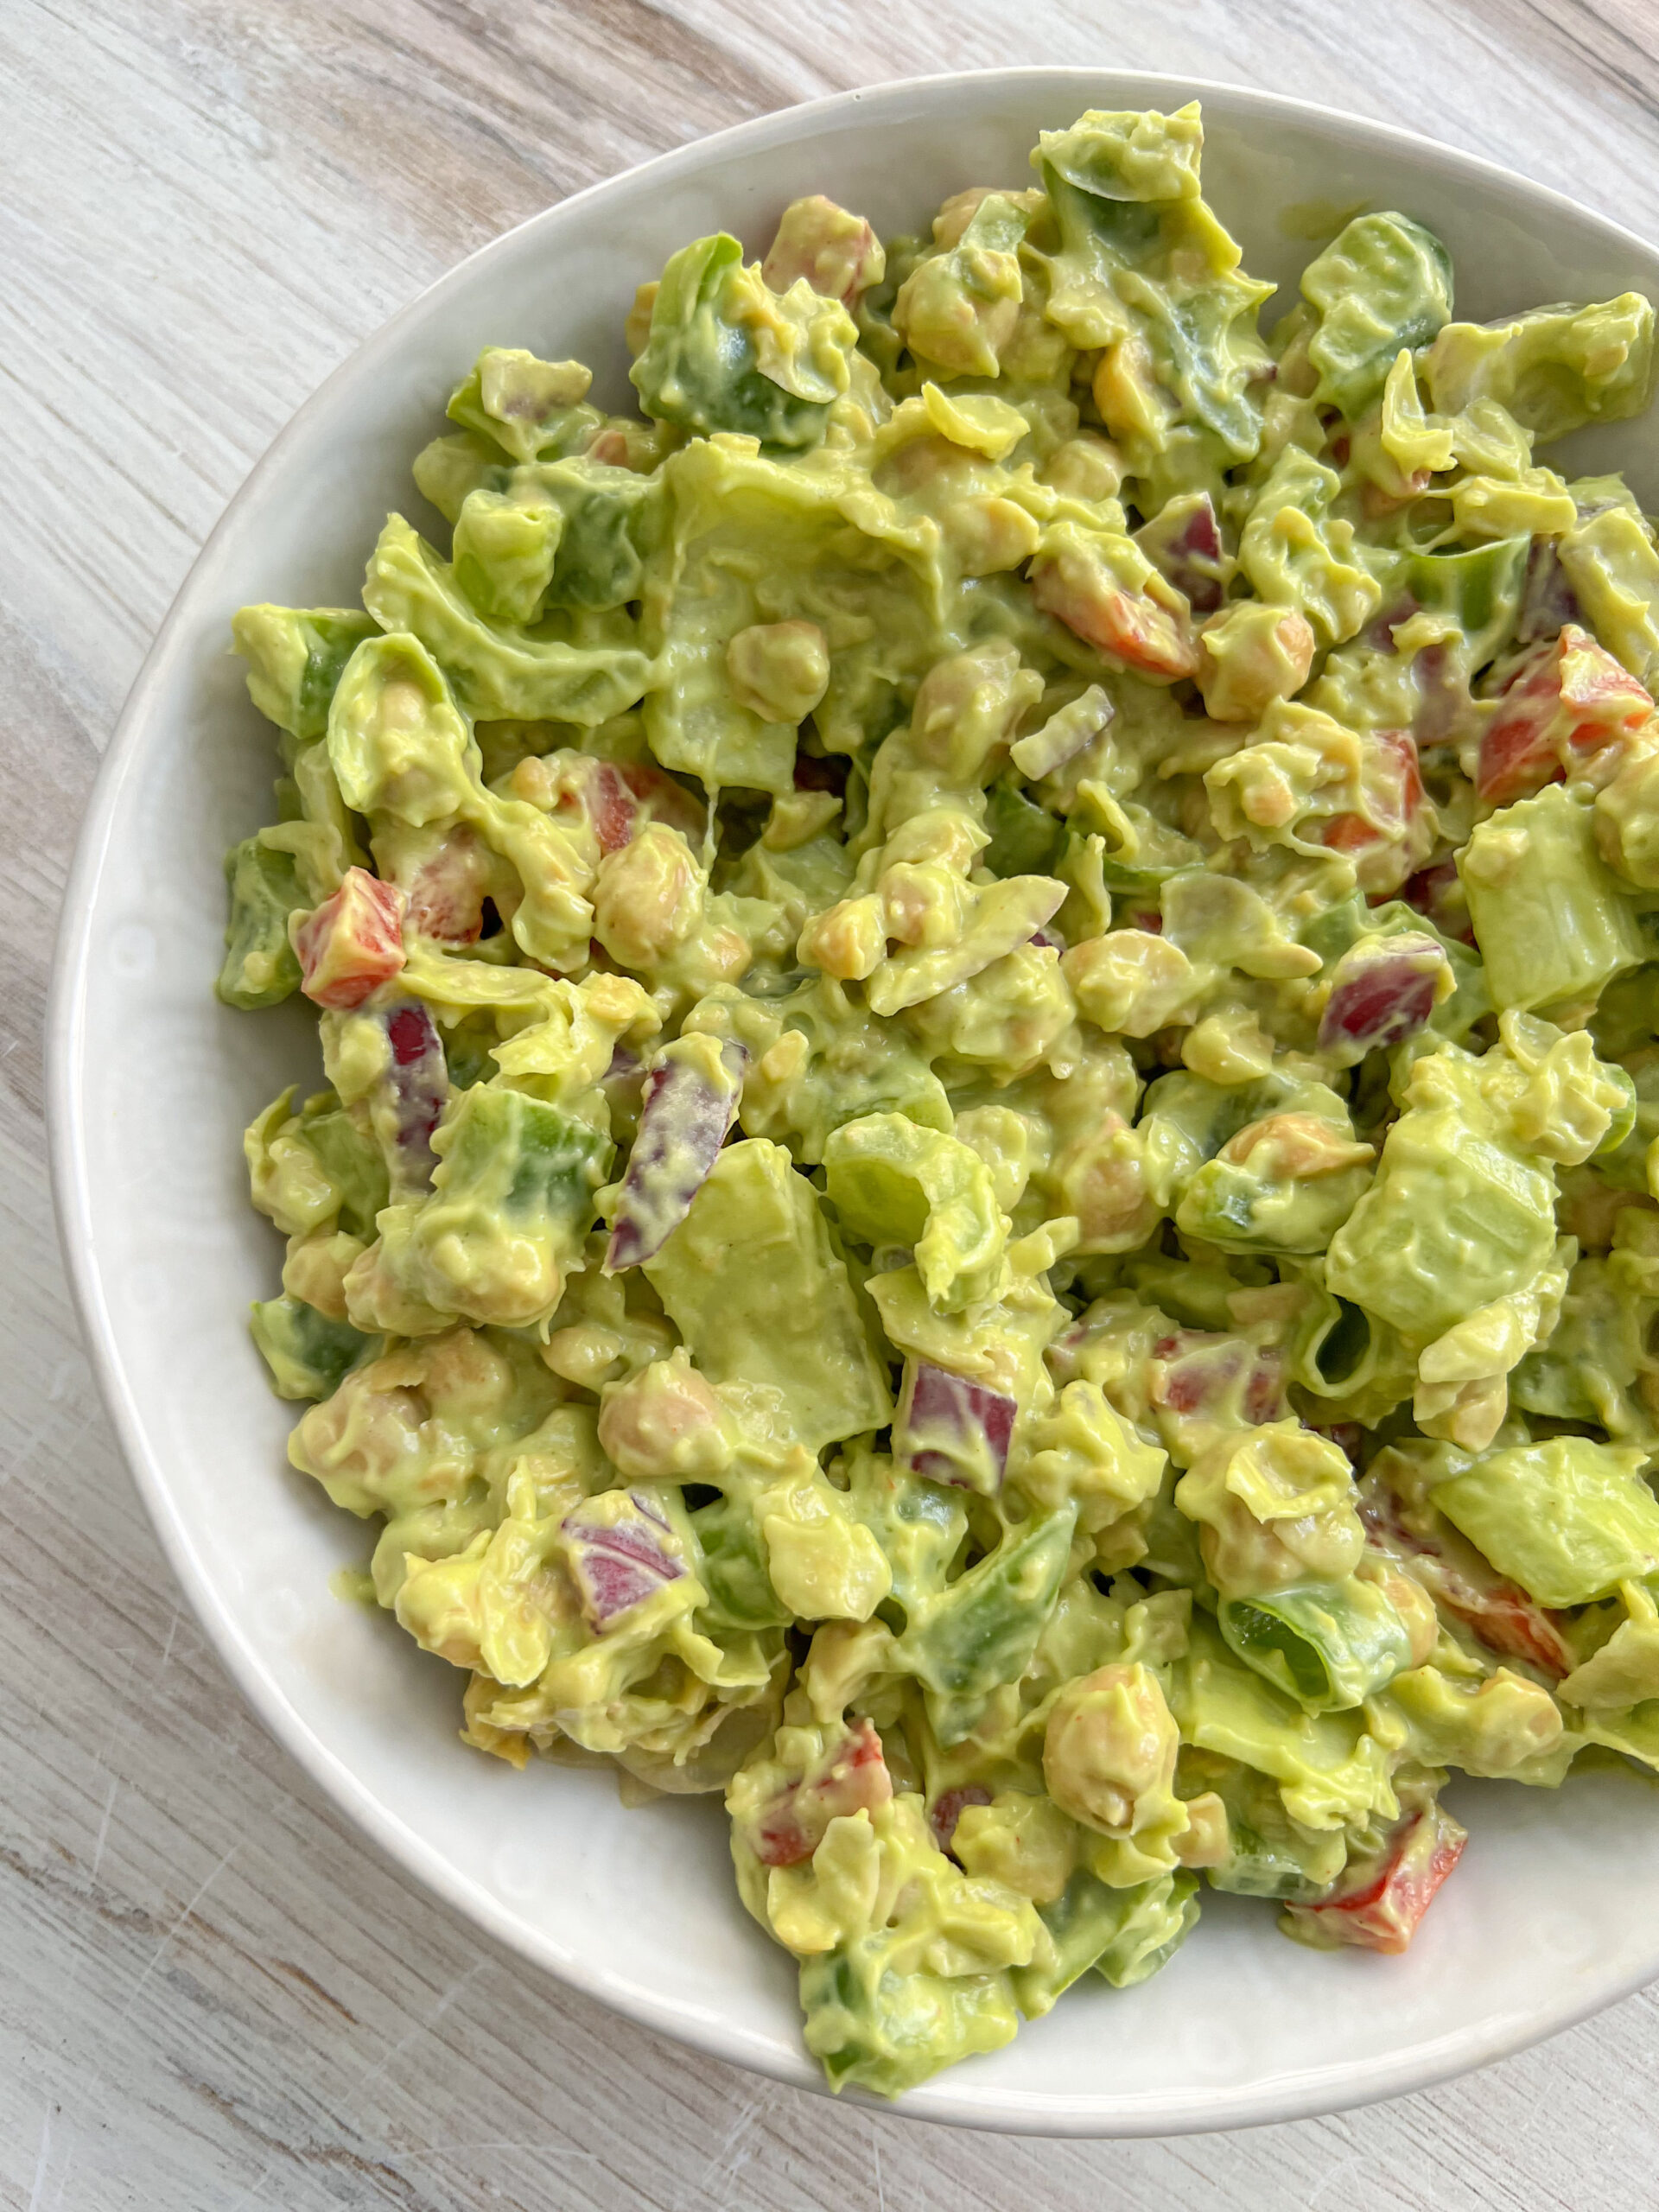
(307, 1353)
(1454, 1219)
(750, 1282)
(295, 657)
(1141, 255)
(1126, 1935)
(1568, 1519)
(497, 670)
(512, 1197)
(260, 968)
(1552, 923)
(893, 1183)
(724, 353)
(887, 2031)
(1382, 283)
(1328, 1644)
(1555, 369)
(981, 1631)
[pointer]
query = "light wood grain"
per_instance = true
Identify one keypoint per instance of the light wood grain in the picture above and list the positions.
(212, 1995)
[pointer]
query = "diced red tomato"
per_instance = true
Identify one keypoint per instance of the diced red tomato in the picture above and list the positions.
(947, 1809)
(1131, 625)
(1384, 1905)
(792, 1827)
(663, 798)
(353, 943)
(447, 888)
(1387, 840)
(1498, 1612)
(1565, 699)
(1197, 1372)
(610, 446)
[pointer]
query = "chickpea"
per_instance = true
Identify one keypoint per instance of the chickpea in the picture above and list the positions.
(1102, 1180)
(989, 536)
(1228, 1048)
(838, 253)
(780, 671)
(1129, 982)
(1109, 1752)
(664, 1420)
(1296, 1146)
(1085, 468)
(587, 1354)
(315, 1268)
(968, 704)
(1512, 1720)
(1251, 654)
(1275, 1505)
(1027, 1842)
(925, 902)
(961, 317)
(1207, 1840)
(1416, 1611)
(956, 214)
(1126, 390)
(648, 897)
(848, 941)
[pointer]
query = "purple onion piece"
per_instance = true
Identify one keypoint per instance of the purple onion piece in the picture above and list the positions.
(1380, 996)
(418, 1084)
(1183, 543)
(948, 1809)
(950, 1430)
(1444, 704)
(1379, 631)
(1547, 599)
(618, 1562)
(690, 1102)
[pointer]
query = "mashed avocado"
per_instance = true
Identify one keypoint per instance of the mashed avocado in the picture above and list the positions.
(985, 1175)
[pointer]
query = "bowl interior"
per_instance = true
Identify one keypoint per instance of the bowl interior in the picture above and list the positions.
(153, 1083)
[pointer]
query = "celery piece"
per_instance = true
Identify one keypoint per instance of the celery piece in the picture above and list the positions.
(307, 1353)
(1329, 1645)
(260, 968)
(1568, 1519)
(751, 1283)
(1550, 918)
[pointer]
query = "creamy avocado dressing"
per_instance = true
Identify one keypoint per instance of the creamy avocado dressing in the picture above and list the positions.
(987, 987)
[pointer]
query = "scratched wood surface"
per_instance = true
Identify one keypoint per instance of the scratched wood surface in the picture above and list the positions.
(211, 1994)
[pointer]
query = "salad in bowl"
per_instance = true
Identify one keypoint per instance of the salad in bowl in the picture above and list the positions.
(984, 983)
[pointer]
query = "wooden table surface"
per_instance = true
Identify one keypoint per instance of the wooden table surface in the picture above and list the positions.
(211, 1994)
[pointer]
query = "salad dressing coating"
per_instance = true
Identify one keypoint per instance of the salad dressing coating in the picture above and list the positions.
(987, 986)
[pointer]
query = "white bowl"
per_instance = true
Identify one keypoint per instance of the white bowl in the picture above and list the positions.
(1555, 1910)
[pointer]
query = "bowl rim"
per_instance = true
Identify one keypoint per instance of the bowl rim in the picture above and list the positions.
(1308, 2094)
